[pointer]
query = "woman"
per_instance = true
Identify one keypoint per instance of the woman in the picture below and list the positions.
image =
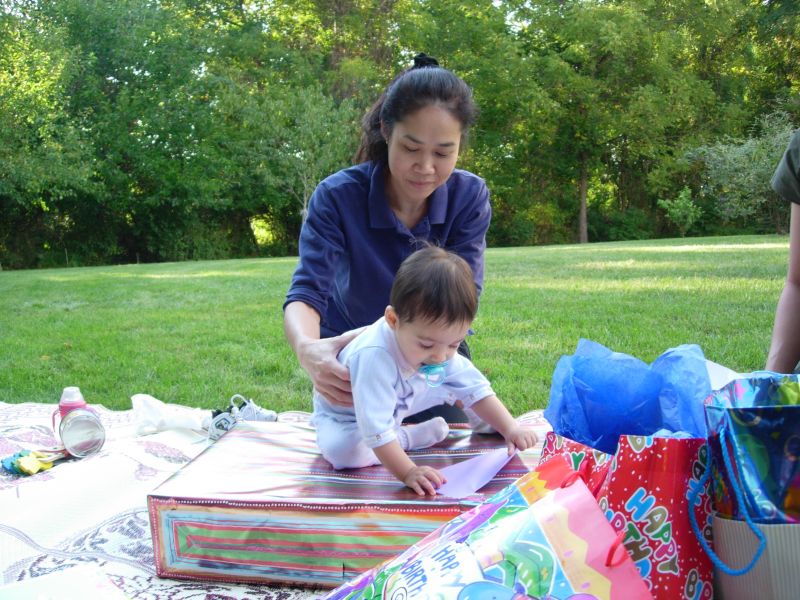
(365, 220)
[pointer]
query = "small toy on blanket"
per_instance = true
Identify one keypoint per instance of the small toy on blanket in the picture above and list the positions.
(79, 429)
(239, 409)
(29, 462)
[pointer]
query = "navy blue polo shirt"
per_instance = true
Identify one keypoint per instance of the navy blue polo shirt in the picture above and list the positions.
(352, 244)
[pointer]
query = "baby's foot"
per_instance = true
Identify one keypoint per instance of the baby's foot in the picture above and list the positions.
(423, 435)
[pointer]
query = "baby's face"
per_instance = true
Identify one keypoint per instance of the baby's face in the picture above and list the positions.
(426, 343)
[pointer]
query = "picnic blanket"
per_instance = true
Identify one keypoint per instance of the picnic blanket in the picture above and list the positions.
(91, 514)
(86, 521)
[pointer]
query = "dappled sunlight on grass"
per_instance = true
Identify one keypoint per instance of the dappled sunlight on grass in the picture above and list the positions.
(203, 275)
(662, 246)
(705, 248)
(734, 285)
(631, 264)
(244, 268)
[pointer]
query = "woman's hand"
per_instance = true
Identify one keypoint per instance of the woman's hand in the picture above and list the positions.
(329, 376)
(520, 438)
(423, 480)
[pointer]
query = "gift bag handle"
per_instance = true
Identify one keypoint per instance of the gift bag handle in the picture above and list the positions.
(762, 542)
(613, 550)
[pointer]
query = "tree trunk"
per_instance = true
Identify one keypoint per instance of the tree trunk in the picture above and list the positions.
(583, 224)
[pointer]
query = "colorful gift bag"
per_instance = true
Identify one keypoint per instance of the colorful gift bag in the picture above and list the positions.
(531, 540)
(754, 441)
(761, 417)
(643, 490)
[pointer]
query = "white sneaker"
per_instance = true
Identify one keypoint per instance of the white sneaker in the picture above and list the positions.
(218, 425)
(250, 411)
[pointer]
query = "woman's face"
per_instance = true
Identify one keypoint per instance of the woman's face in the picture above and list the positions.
(423, 149)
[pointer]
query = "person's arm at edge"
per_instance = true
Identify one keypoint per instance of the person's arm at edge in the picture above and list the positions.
(318, 356)
(784, 352)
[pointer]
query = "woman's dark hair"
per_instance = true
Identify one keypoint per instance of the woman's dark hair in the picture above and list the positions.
(436, 286)
(424, 84)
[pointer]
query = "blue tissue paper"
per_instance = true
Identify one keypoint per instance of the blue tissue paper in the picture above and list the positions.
(597, 395)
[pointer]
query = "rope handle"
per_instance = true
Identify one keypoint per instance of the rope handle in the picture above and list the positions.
(762, 542)
(572, 478)
(612, 550)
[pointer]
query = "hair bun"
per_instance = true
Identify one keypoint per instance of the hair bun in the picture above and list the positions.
(422, 60)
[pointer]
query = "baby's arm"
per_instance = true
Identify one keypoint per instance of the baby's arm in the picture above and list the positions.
(372, 370)
(423, 480)
(494, 412)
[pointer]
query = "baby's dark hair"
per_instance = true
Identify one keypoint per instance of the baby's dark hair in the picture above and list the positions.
(436, 286)
(424, 84)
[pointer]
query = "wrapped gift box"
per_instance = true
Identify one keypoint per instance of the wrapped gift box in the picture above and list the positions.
(262, 505)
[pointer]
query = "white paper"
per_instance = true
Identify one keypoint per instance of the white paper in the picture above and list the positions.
(468, 476)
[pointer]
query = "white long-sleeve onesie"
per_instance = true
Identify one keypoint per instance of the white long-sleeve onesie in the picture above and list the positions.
(386, 389)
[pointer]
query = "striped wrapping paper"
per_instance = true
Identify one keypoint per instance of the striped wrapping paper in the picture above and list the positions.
(262, 505)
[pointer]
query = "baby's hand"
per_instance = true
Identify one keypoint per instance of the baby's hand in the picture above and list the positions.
(520, 438)
(424, 480)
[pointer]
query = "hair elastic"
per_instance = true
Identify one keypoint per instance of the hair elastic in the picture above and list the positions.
(422, 60)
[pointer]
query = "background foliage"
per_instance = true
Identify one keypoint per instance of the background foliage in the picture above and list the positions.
(136, 131)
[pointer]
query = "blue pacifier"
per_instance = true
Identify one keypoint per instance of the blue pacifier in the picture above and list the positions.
(434, 374)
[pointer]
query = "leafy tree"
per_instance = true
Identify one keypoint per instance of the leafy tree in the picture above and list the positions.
(318, 138)
(138, 130)
(44, 158)
(619, 91)
(738, 172)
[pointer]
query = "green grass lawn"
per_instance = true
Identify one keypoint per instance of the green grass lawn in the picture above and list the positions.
(195, 333)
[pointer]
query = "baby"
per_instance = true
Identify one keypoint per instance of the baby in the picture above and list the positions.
(405, 363)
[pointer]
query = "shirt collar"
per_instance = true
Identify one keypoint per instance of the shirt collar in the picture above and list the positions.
(380, 213)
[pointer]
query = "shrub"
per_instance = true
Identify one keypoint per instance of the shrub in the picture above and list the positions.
(682, 212)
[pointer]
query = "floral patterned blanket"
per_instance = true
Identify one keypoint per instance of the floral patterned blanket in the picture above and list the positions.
(91, 514)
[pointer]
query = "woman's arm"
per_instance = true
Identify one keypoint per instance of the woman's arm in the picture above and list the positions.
(784, 352)
(318, 356)
(321, 243)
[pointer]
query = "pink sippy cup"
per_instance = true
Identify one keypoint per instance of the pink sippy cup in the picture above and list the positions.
(80, 428)
(71, 398)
